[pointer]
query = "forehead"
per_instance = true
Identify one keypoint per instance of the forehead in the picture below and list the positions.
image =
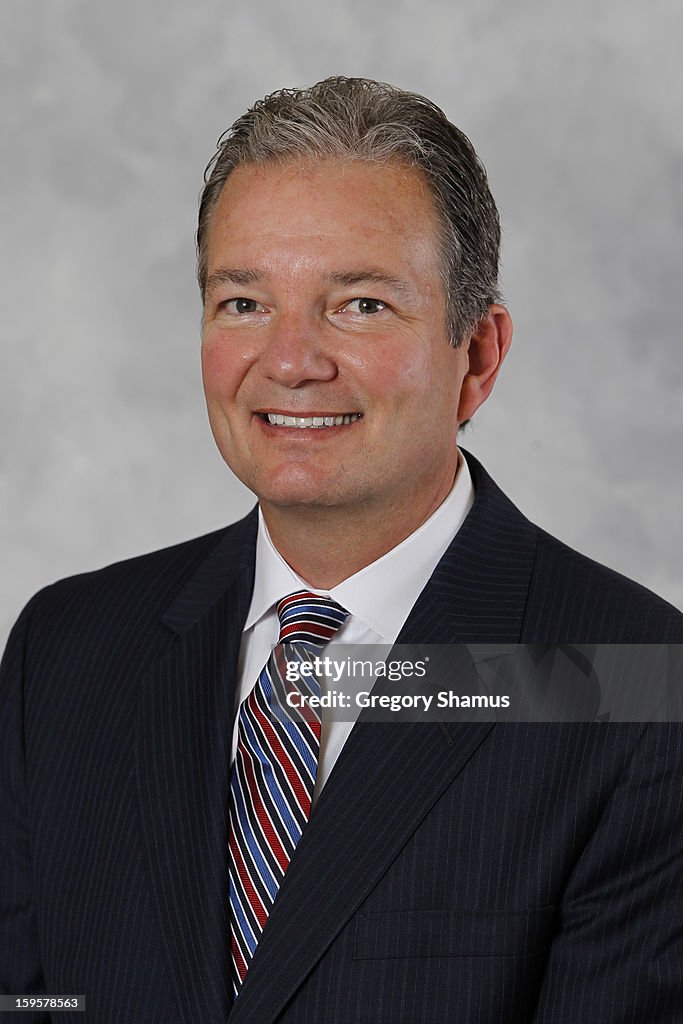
(323, 207)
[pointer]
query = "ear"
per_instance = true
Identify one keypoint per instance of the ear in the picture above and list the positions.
(487, 347)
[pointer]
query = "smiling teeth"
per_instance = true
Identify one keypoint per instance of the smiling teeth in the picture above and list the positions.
(277, 420)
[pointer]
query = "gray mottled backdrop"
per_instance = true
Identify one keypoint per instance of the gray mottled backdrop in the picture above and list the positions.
(110, 112)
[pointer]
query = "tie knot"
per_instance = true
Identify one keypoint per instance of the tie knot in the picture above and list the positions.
(309, 618)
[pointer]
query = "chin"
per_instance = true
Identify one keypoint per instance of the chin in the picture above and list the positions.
(289, 487)
(296, 497)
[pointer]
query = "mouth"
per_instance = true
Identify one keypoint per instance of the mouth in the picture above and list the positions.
(320, 422)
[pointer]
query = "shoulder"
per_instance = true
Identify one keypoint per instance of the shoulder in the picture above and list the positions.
(570, 598)
(138, 578)
(591, 602)
(132, 594)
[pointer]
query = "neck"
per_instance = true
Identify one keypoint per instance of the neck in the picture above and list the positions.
(325, 546)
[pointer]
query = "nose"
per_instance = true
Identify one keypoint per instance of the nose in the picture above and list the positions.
(295, 352)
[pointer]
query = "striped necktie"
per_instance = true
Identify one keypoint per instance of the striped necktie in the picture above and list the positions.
(274, 772)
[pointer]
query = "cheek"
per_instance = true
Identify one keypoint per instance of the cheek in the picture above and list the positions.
(391, 372)
(412, 380)
(222, 367)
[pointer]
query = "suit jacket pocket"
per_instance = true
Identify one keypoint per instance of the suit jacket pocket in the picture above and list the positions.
(482, 933)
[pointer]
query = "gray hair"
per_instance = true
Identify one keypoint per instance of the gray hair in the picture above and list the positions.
(360, 119)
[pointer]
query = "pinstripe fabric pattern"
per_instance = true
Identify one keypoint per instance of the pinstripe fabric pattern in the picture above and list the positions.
(274, 772)
(526, 874)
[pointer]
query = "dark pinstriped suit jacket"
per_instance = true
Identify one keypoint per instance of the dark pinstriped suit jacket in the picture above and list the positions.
(450, 872)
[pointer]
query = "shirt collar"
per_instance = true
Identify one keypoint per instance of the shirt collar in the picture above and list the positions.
(381, 594)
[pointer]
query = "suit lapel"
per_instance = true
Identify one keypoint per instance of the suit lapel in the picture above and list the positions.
(389, 776)
(183, 751)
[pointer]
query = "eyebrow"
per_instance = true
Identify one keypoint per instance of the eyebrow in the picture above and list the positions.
(342, 278)
(349, 278)
(232, 275)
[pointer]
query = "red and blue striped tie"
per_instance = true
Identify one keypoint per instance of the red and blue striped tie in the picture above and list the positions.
(274, 772)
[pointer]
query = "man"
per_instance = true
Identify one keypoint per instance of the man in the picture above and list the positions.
(443, 871)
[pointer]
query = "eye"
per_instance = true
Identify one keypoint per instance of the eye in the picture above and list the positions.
(241, 306)
(365, 306)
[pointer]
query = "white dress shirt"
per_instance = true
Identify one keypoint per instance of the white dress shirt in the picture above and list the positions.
(378, 598)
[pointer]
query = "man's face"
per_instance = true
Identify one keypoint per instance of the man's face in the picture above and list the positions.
(324, 301)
